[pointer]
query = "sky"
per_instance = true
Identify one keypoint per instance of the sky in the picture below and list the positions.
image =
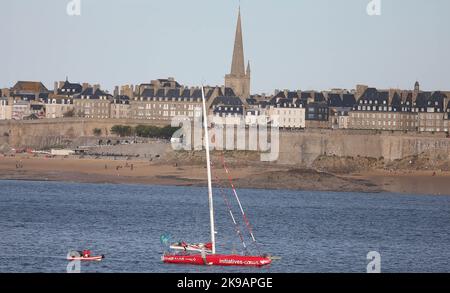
(291, 44)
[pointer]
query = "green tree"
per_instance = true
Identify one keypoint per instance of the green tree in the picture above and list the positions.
(122, 130)
(70, 113)
(97, 131)
(155, 132)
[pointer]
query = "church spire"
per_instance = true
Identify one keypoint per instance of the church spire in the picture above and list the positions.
(248, 69)
(238, 65)
(239, 79)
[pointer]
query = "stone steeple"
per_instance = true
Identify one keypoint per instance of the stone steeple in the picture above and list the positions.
(239, 78)
(237, 66)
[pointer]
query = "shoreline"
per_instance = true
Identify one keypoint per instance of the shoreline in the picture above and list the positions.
(255, 176)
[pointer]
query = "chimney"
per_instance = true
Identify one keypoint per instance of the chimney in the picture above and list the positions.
(391, 96)
(85, 85)
(6, 92)
(116, 91)
(96, 87)
(360, 89)
(61, 84)
(55, 89)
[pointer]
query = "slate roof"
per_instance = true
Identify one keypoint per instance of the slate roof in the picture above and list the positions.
(70, 88)
(436, 101)
(227, 101)
(348, 100)
(94, 95)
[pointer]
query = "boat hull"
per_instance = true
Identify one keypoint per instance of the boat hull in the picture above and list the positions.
(217, 260)
(91, 258)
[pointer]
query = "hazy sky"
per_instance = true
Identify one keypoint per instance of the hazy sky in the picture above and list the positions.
(295, 44)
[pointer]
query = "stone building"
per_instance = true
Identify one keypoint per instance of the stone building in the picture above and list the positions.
(287, 110)
(383, 110)
(317, 110)
(227, 110)
(340, 104)
(120, 107)
(5, 108)
(93, 103)
(239, 77)
(57, 106)
(67, 89)
(432, 112)
(20, 109)
(162, 100)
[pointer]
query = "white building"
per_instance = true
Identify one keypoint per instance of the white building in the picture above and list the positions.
(20, 109)
(287, 116)
(56, 107)
(5, 109)
(255, 117)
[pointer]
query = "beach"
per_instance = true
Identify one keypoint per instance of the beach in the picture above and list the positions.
(192, 172)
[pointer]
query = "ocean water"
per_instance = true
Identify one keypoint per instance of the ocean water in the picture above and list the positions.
(311, 231)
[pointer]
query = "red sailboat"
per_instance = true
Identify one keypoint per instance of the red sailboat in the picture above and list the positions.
(205, 254)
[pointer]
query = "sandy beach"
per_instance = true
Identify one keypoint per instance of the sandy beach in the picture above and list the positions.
(185, 173)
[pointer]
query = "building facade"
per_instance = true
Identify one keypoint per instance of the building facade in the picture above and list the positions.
(384, 110)
(120, 107)
(93, 103)
(5, 108)
(57, 106)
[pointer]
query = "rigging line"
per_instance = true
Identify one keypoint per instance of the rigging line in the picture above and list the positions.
(238, 230)
(247, 222)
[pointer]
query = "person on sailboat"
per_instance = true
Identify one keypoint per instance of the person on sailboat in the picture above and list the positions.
(184, 245)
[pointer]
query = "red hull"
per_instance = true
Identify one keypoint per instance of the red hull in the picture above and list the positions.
(217, 260)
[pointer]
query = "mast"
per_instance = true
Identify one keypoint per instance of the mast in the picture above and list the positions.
(208, 167)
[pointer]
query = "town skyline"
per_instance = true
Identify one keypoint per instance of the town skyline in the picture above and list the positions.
(214, 63)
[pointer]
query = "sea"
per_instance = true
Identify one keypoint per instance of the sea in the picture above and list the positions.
(307, 231)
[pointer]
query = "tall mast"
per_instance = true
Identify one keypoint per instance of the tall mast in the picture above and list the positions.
(208, 167)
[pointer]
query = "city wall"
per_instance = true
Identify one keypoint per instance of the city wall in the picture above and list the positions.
(304, 147)
(296, 147)
(49, 133)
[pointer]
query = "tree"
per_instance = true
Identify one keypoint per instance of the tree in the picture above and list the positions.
(155, 132)
(122, 130)
(97, 131)
(70, 113)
